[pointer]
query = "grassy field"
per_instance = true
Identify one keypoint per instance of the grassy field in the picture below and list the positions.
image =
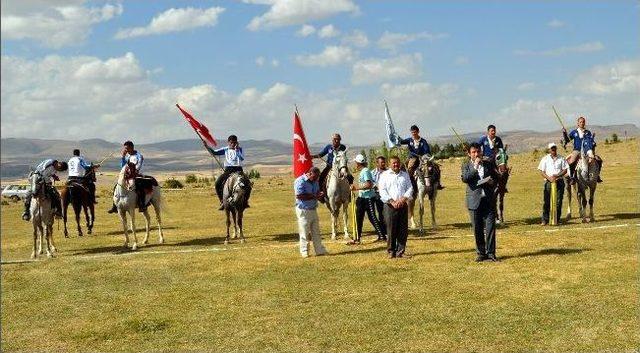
(568, 288)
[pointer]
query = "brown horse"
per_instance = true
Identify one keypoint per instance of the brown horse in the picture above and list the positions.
(79, 196)
(501, 184)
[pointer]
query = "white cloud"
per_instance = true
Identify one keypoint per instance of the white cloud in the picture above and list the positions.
(328, 31)
(526, 86)
(555, 23)
(260, 61)
(305, 31)
(392, 41)
(296, 12)
(461, 60)
(53, 24)
(330, 56)
(621, 77)
(356, 38)
(383, 70)
(581, 48)
(275, 63)
(174, 20)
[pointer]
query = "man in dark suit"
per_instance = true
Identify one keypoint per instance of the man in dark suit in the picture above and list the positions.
(480, 176)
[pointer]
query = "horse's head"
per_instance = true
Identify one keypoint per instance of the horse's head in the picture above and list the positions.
(239, 190)
(340, 164)
(38, 185)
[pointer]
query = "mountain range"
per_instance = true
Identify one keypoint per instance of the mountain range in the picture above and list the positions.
(17, 155)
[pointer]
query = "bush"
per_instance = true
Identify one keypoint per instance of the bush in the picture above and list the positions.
(254, 174)
(614, 138)
(190, 179)
(172, 184)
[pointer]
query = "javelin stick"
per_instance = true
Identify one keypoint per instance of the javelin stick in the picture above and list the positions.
(558, 116)
(105, 158)
(464, 144)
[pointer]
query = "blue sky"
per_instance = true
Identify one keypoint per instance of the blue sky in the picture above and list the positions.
(67, 73)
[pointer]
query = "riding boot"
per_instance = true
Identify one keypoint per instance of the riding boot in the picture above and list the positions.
(26, 215)
(113, 209)
(572, 173)
(599, 161)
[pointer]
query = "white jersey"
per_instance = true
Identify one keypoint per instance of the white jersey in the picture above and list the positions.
(77, 166)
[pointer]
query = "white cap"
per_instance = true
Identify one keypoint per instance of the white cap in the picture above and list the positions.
(551, 145)
(360, 159)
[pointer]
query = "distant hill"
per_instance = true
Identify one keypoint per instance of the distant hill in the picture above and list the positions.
(19, 154)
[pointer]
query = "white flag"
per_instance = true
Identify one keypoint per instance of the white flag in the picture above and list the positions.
(393, 139)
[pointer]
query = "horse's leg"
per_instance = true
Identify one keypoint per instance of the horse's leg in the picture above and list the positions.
(567, 182)
(240, 215)
(228, 213)
(432, 204)
(156, 208)
(35, 239)
(582, 200)
(92, 213)
(85, 209)
(592, 192)
(412, 205)
(132, 214)
(234, 218)
(49, 239)
(65, 206)
(123, 218)
(76, 211)
(501, 208)
(146, 224)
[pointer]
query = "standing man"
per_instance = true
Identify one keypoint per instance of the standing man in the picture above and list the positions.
(328, 150)
(581, 138)
(308, 193)
(418, 147)
(490, 143)
(395, 190)
(365, 203)
(78, 168)
(552, 168)
(480, 177)
(233, 158)
(46, 171)
(381, 167)
(129, 155)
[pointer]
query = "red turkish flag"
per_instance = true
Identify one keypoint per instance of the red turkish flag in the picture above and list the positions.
(200, 129)
(301, 156)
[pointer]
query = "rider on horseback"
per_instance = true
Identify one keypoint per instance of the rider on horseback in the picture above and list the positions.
(581, 138)
(493, 150)
(328, 151)
(233, 158)
(78, 172)
(46, 171)
(130, 155)
(418, 147)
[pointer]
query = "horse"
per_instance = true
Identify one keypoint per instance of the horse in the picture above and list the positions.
(427, 186)
(235, 196)
(503, 172)
(338, 192)
(42, 216)
(126, 200)
(587, 173)
(79, 196)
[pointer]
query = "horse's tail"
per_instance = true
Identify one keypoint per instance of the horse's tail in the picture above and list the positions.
(162, 202)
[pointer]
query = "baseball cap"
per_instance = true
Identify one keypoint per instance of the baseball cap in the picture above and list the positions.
(360, 159)
(551, 145)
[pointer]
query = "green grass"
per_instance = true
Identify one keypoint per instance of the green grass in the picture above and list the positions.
(569, 288)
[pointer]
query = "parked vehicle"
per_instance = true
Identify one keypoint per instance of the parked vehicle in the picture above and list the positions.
(15, 192)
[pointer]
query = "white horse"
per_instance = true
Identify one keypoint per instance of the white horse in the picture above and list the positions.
(427, 186)
(125, 199)
(42, 216)
(338, 192)
(587, 172)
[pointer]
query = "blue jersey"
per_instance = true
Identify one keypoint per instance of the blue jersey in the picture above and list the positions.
(422, 148)
(587, 140)
(328, 151)
(303, 185)
(485, 145)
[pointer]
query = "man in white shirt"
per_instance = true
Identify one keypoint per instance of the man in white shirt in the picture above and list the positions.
(78, 169)
(47, 171)
(233, 159)
(395, 190)
(552, 167)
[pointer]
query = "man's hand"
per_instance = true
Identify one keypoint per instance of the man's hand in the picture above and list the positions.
(320, 195)
(564, 130)
(124, 151)
(353, 187)
(477, 161)
(56, 178)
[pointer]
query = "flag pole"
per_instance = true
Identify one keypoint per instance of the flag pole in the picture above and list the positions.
(464, 144)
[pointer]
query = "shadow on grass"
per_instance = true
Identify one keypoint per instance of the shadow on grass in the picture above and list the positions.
(352, 249)
(444, 252)
(152, 228)
(286, 237)
(115, 249)
(612, 216)
(209, 240)
(545, 252)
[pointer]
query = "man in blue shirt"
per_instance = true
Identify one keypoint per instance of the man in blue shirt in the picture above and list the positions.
(307, 191)
(328, 150)
(129, 154)
(581, 138)
(233, 158)
(418, 147)
(490, 143)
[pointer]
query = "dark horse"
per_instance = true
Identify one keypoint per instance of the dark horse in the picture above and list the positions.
(79, 196)
(501, 184)
(235, 197)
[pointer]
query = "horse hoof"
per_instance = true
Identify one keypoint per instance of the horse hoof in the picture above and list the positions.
(134, 247)
(80, 234)
(89, 232)
(242, 241)
(145, 242)
(161, 241)
(66, 235)
(49, 255)
(226, 242)
(54, 250)
(498, 221)
(584, 220)
(33, 255)
(333, 237)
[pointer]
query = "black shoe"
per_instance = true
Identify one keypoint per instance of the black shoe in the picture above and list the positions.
(113, 209)
(440, 187)
(599, 179)
(247, 206)
(493, 258)
(481, 258)
(221, 208)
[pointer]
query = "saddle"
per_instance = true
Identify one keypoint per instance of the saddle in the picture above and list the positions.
(145, 183)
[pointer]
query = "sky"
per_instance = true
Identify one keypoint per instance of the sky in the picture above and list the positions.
(74, 69)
